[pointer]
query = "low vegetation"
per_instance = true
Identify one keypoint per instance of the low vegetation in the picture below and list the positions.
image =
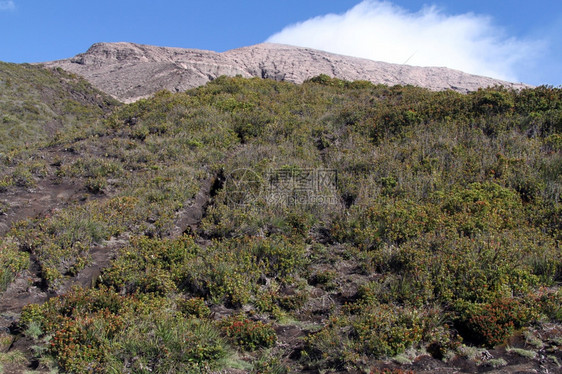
(37, 104)
(438, 228)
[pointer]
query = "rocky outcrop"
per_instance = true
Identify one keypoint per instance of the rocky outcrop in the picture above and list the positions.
(130, 71)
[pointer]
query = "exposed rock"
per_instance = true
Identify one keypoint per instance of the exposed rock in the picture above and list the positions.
(130, 71)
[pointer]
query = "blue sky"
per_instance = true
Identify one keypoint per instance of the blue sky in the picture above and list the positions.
(512, 39)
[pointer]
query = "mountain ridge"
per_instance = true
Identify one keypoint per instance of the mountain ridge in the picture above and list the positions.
(130, 71)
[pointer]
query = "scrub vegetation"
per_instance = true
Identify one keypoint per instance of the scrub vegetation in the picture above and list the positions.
(441, 233)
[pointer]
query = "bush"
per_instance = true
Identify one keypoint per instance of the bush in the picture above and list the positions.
(83, 345)
(194, 307)
(150, 265)
(31, 314)
(492, 324)
(12, 262)
(549, 303)
(96, 185)
(163, 342)
(247, 334)
(385, 331)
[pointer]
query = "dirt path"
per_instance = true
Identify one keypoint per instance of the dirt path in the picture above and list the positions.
(188, 219)
(101, 257)
(31, 203)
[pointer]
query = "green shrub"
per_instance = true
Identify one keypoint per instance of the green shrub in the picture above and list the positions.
(389, 222)
(330, 347)
(385, 331)
(96, 185)
(194, 307)
(168, 343)
(5, 183)
(150, 265)
(492, 324)
(325, 279)
(12, 262)
(278, 256)
(482, 207)
(293, 301)
(31, 314)
(23, 177)
(228, 271)
(82, 345)
(269, 364)
(248, 334)
(549, 303)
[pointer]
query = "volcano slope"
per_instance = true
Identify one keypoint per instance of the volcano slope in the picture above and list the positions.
(251, 225)
(131, 71)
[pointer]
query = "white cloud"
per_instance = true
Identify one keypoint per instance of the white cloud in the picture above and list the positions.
(7, 5)
(383, 31)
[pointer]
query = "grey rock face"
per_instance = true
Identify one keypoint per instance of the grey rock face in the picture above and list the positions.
(129, 71)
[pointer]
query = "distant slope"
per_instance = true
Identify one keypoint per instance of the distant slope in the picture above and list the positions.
(36, 103)
(130, 71)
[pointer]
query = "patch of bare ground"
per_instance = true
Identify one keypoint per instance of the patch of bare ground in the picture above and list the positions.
(25, 203)
(189, 218)
(100, 257)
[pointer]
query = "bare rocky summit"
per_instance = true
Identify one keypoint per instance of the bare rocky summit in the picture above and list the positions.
(129, 71)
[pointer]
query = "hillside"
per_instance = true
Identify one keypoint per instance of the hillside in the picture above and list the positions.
(131, 71)
(36, 103)
(257, 226)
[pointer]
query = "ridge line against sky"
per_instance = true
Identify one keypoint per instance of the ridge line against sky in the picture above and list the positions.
(519, 41)
(382, 31)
